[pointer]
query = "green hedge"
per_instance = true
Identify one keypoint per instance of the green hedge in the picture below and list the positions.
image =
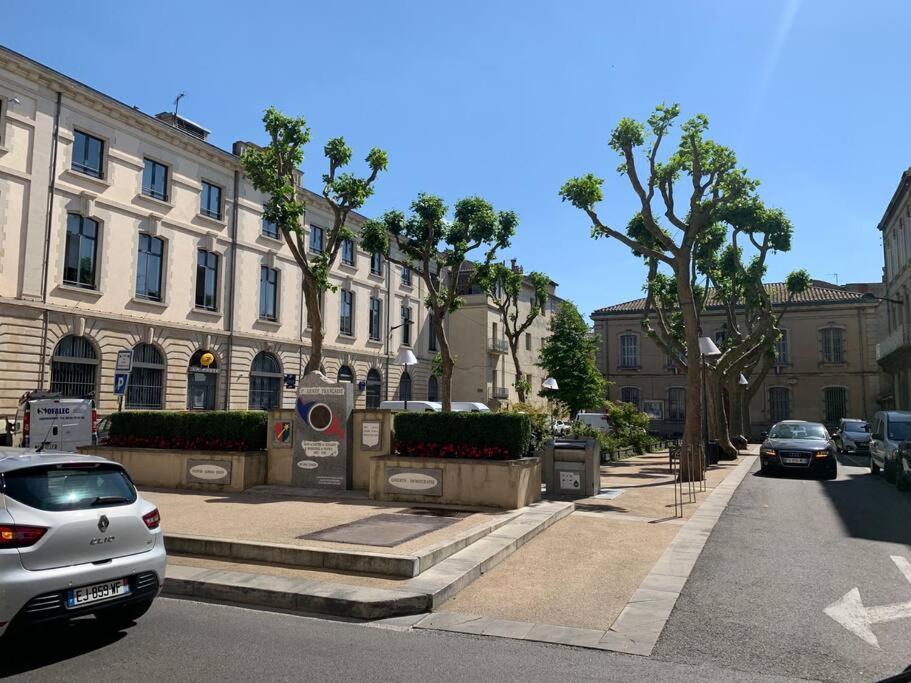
(225, 430)
(491, 436)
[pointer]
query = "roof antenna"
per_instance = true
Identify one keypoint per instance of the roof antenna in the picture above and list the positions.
(835, 275)
(177, 102)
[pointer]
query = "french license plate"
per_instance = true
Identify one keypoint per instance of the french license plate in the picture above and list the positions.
(97, 592)
(794, 461)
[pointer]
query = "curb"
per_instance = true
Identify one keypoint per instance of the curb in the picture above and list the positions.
(639, 625)
(416, 596)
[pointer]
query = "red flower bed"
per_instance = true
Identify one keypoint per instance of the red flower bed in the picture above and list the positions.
(179, 443)
(426, 449)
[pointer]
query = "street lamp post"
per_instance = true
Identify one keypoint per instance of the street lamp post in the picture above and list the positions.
(707, 349)
(388, 338)
(405, 357)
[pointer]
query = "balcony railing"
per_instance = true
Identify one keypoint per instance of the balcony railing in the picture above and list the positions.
(497, 345)
(897, 339)
(501, 392)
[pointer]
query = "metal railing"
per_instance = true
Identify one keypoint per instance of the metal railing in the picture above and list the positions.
(899, 337)
(501, 392)
(497, 345)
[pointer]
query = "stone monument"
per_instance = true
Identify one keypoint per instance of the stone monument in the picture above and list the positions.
(322, 433)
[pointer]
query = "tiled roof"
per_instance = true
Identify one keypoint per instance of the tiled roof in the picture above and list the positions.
(818, 293)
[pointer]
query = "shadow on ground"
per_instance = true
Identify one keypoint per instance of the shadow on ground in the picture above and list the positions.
(34, 649)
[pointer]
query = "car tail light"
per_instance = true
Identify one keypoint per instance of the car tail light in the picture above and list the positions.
(94, 421)
(152, 519)
(19, 536)
(26, 423)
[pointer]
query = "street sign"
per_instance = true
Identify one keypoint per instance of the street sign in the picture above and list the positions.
(120, 383)
(290, 381)
(124, 361)
(851, 613)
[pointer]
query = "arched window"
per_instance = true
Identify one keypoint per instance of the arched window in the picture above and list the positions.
(265, 382)
(779, 404)
(405, 386)
(836, 404)
(374, 388)
(201, 381)
(630, 395)
(74, 367)
(145, 388)
(345, 374)
(433, 389)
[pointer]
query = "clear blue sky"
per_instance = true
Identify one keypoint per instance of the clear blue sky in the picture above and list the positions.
(509, 99)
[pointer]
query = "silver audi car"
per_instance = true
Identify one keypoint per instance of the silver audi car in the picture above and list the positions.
(76, 538)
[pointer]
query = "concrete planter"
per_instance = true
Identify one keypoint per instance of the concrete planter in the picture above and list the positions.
(505, 484)
(195, 470)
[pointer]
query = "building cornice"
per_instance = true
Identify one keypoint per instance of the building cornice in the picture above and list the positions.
(895, 201)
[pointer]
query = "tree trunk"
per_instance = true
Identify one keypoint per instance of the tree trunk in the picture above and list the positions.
(693, 452)
(718, 417)
(315, 320)
(446, 363)
(520, 382)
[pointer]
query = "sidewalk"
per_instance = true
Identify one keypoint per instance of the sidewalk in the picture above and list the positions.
(582, 574)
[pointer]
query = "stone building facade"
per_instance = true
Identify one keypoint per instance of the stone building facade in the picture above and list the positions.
(120, 230)
(893, 352)
(825, 367)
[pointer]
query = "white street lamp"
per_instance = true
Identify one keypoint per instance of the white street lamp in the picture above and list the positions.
(550, 383)
(707, 349)
(742, 381)
(405, 357)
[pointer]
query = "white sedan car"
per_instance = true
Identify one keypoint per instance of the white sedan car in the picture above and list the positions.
(76, 538)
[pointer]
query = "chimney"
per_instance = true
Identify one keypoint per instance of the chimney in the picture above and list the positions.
(184, 124)
(516, 268)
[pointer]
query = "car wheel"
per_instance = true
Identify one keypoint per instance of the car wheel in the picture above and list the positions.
(889, 471)
(832, 474)
(120, 617)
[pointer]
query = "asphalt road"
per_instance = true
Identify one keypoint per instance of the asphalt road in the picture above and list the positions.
(783, 551)
(180, 640)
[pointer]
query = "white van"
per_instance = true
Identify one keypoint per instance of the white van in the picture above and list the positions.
(890, 428)
(54, 423)
(469, 407)
(596, 420)
(413, 406)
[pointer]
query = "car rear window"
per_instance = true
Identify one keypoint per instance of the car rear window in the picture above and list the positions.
(69, 487)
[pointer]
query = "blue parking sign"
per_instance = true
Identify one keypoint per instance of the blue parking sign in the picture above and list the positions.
(120, 383)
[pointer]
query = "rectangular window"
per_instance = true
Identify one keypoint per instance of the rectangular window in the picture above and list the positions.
(348, 252)
(376, 319)
(88, 154)
(782, 349)
(676, 404)
(206, 280)
(81, 251)
(630, 395)
(270, 229)
(148, 267)
(210, 201)
(779, 404)
(268, 293)
(432, 342)
(406, 325)
(833, 345)
(836, 404)
(629, 351)
(376, 263)
(528, 341)
(346, 312)
(155, 180)
(316, 239)
(406, 276)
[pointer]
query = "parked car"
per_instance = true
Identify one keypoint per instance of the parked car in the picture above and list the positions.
(76, 538)
(852, 436)
(890, 428)
(903, 466)
(54, 423)
(562, 427)
(798, 446)
(596, 420)
(413, 406)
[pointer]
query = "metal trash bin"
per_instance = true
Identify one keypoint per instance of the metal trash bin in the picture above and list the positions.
(572, 467)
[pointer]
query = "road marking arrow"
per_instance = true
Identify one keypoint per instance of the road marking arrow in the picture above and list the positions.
(851, 613)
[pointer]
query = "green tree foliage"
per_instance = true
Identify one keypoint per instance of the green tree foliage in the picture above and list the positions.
(436, 250)
(504, 287)
(274, 171)
(568, 356)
